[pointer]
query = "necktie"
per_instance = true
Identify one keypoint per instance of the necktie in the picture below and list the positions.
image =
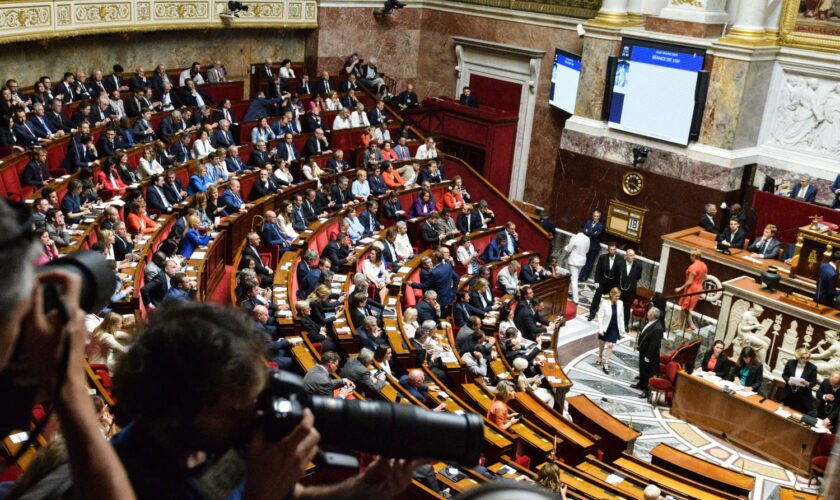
(327, 85)
(468, 223)
(764, 247)
(162, 197)
(370, 222)
(44, 124)
(27, 128)
(291, 151)
(99, 84)
(227, 116)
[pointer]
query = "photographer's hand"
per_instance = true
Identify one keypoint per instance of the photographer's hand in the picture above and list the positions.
(94, 463)
(274, 468)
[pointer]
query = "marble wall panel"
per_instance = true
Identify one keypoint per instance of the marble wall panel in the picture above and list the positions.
(28, 61)
(723, 102)
(593, 76)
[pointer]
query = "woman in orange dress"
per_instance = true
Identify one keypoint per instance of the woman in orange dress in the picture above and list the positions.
(137, 222)
(694, 277)
(498, 412)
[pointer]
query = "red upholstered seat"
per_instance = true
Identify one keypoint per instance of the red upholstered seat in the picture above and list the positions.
(666, 384)
(822, 453)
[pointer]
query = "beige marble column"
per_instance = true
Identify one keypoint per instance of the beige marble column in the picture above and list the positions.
(599, 43)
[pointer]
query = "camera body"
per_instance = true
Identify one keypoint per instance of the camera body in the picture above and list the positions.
(380, 428)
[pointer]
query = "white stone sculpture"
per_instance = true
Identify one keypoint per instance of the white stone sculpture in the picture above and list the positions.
(827, 359)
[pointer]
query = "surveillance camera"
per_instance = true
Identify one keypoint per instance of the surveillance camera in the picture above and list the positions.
(580, 31)
(640, 155)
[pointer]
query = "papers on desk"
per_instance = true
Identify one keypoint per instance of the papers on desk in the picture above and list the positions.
(295, 339)
(198, 255)
(403, 269)
(390, 328)
(344, 329)
(752, 259)
(392, 301)
(340, 278)
(448, 357)
(554, 380)
(745, 392)
(285, 314)
(614, 479)
(89, 220)
(116, 202)
(505, 470)
(19, 437)
(366, 240)
(782, 412)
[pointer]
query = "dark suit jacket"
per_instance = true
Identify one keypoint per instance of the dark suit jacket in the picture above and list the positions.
(754, 377)
(25, 134)
(105, 147)
(260, 267)
(171, 192)
(258, 190)
(321, 88)
(333, 166)
(627, 282)
(155, 290)
(809, 374)
(335, 254)
(222, 139)
(721, 366)
(474, 222)
(121, 248)
(429, 235)
(810, 194)
(265, 74)
(155, 200)
(468, 100)
(828, 409)
(174, 98)
(461, 312)
(604, 276)
(258, 158)
(389, 210)
(367, 219)
(57, 121)
(649, 345)
(528, 276)
(34, 174)
(737, 241)
(526, 321)
(312, 147)
(426, 312)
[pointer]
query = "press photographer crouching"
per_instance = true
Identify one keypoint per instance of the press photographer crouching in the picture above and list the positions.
(42, 341)
(209, 420)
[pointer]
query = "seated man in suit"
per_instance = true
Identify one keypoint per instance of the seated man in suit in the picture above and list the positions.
(467, 98)
(80, 153)
(707, 221)
(317, 144)
(731, 237)
(368, 218)
(223, 137)
(232, 198)
(371, 334)
(804, 191)
(337, 163)
(467, 220)
(342, 195)
(35, 172)
(234, 163)
(532, 271)
(339, 251)
(172, 188)
(107, 144)
(40, 123)
(260, 156)
(828, 400)
(278, 350)
(287, 150)
(462, 310)
(271, 234)
(428, 309)
(359, 370)
(766, 247)
(313, 277)
(142, 130)
(24, 131)
(261, 187)
(154, 292)
(428, 230)
(155, 195)
(265, 273)
(56, 119)
(414, 383)
(318, 381)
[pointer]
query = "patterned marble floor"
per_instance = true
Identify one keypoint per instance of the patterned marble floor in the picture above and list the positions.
(613, 393)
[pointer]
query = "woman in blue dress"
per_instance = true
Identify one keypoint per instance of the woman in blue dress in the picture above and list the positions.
(610, 327)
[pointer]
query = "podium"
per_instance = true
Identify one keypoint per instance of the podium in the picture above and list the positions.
(555, 293)
(814, 246)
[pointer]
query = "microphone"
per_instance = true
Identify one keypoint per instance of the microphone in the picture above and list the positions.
(762, 399)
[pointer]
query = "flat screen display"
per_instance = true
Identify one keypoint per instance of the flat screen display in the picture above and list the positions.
(654, 89)
(564, 80)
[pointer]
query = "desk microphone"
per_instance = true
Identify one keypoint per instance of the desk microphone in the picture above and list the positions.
(763, 399)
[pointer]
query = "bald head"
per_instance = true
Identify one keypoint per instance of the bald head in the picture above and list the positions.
(415, 378)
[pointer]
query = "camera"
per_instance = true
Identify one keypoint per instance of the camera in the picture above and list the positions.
(640, 155)
(98, 282)
(389, 7)
(380, 428)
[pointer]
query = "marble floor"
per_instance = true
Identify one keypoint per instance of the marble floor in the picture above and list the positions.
(578, 352)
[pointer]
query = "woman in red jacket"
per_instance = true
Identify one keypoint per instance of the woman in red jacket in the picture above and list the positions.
(137, 222)
(110, 180)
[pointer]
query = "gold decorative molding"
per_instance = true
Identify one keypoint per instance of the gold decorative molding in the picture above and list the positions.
(44, 19)
(791, 37)
(584, 9)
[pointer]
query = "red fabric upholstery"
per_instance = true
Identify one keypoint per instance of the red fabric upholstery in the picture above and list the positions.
(821, 462)
(524, 461)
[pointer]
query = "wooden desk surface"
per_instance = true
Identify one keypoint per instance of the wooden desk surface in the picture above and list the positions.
(684, 461)
(749, 421)
(827, 317)
(524, 429)
(664, 479)
(596, 414)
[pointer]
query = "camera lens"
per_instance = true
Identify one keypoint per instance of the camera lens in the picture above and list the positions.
(398, 430)
(98, 280)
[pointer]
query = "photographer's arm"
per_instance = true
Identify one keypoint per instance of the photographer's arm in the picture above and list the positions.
(383, 479)
(93, 461)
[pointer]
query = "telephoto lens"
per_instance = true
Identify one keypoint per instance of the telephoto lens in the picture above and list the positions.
(98, 280)
(380, 428)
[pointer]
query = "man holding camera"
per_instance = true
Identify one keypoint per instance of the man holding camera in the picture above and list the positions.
(51, 341)
(190, 383)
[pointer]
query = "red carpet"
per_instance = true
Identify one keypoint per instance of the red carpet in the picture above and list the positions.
(221, 294)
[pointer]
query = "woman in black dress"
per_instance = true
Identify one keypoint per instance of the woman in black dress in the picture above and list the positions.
(610, 327)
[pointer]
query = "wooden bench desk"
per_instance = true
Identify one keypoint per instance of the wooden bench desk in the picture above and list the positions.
(719, 477)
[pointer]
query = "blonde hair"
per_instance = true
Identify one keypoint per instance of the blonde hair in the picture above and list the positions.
(193, 220)
(409, 312)
(695, 253)
(322, 291)
(104, 235)
(615, 291)
(801, 350)
(200, 201)
(108, 325)
(504, 389)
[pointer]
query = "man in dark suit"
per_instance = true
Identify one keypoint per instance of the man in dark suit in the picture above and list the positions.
(155, 290)
(259, 156)
(80, 153)
(393, 209)
(407, 99)
(115, 80)
(56, 118)
(607, 277)
(467, 98)
(468, 221)
(317, 144)
(24, 131)
(442, 279)
(532, 271)
(731, 237)
(707, 221)
(314, 121)
(287, 150)
(649, 343)
(428, 230)
(305, 87)
(155, 197)
(66, 88)
(593, 228)
(377, 114)
(766, 247)
(265, 273)
(529, 320)
(96, 85)
(324, 86)
(181, 149)
(428, 308)
(827, 281)
(107, 143)
(168, 99)
(259, 107)
(223, 137)
(630, 273)
(350, 84)
(142, 130)
(299, 219)
(462, 310)
(135, 104)
(368, 218)
(138, 80)
(338, 251)
(265, 73)
(804, 191)
(277, 88)
(172, 188)
(797, 395)
(261, 187)
(828, 400)
(341, 193)
(337, 163)
(35, 172)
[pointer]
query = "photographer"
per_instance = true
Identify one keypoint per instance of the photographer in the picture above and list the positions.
(42, 339)
(190, 383)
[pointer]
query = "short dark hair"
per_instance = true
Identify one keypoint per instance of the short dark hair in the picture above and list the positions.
(329, 357)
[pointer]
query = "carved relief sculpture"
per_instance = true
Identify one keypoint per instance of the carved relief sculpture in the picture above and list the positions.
(827, 358)
(753, 333)
(807, 116)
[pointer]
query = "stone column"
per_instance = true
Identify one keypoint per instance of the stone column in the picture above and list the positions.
(612, 13)
(696, 11)
(771, 22)
(748, 25)
(635, 12)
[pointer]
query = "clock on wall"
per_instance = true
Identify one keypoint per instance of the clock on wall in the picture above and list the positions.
(632, 183)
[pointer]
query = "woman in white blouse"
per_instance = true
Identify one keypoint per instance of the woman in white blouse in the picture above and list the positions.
(382, 134)
(375, 271)
(467, 255)
(383, 358)
(148, 165)
(201, 146)
(286, 70)
(332, 103)
(262, 132)
(105, 340)
(312, 171)
(284, 221)
(360, 188)
(342, 120)
(409, 322)
(283, 174)
(106, 237)
(359, 118)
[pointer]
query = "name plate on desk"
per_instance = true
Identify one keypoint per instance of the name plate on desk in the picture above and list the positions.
(625, 220)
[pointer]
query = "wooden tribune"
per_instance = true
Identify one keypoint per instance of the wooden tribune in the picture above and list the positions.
(747, 421)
